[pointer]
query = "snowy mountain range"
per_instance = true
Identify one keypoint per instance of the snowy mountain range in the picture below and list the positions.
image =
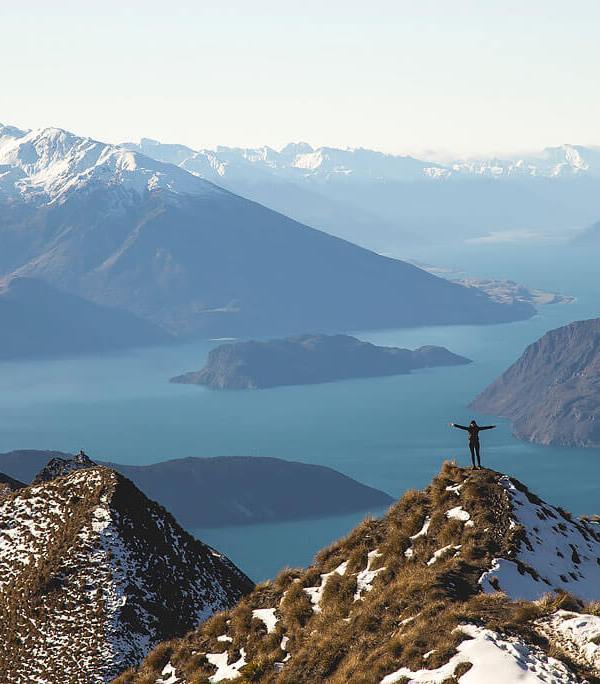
(49, 165)
(385, 202)
(474, 579)
(297, 160)
(124, 230)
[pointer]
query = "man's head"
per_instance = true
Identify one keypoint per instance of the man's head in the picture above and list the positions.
(473, 423)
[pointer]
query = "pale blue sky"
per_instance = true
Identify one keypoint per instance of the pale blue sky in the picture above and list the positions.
(461, 75)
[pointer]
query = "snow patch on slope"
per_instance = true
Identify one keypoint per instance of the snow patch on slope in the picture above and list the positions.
(576, 633)
(555, 554)
(316, 593)
(495, 659)
(364, 579)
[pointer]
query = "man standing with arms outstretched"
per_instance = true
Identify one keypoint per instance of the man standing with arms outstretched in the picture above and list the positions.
(474, 446)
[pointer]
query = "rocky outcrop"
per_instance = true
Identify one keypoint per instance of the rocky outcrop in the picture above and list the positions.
(552, 393)
(57, 467)
(310, 359)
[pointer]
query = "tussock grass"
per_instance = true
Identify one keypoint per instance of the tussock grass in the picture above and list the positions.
(412, 609)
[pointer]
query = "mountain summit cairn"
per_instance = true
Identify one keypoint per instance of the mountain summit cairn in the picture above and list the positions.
(93, 575)
(474, 579)
(57, 467)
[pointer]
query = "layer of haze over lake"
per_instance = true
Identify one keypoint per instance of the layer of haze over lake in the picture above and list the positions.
(391, 433)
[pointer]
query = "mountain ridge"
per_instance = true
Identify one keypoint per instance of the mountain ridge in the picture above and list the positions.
(387, 202)
(471, 571)
(121, 229)
(93, 574)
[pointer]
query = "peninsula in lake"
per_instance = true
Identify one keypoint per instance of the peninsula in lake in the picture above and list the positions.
(214, 492)
(552, 393)
(310, 359)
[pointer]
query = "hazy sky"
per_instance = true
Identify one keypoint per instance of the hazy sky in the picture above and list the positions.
(401, 76)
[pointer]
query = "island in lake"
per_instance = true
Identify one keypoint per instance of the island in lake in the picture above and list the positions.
(310, 359)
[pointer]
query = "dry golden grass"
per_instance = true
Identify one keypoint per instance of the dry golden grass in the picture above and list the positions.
(413, 608)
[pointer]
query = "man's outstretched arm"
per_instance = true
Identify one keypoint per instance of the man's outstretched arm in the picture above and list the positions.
(460, 427)
(487, 427)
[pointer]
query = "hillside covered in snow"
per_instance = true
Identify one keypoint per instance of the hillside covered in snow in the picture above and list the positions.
(475, 579)
(93, 575)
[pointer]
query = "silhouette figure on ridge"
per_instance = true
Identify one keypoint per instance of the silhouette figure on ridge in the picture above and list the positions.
(474, 445)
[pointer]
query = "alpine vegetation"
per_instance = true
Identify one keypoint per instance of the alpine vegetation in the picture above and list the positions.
(473, 579)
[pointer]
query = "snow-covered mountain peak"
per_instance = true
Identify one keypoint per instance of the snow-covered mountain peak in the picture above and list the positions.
(48, 164)
(302, 161)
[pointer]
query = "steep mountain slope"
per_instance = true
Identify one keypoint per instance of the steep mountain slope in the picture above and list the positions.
(552, 393)
(38, 320)
(123, 230)
(385, 201)
(439, 590)
(93, 574)
(308, 359)
(236, 490)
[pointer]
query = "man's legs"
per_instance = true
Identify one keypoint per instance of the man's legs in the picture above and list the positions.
(477, 451)
(472, 449)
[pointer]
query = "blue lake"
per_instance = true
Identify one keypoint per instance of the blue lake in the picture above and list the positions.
(391, 433)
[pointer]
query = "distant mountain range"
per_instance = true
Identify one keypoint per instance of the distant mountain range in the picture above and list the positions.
(93, 574)
(552, 393)
(309, 359)
(474, 579)
(123, 230)
(384, 201)
(297, 160)
(236, 490)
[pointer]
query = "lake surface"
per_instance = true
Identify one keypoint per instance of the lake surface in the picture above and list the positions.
(391, 433)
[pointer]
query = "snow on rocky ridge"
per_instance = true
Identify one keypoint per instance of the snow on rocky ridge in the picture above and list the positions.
(301, 160)
(374, 608)
(555, 552)
(93, 575)
(48, 165)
